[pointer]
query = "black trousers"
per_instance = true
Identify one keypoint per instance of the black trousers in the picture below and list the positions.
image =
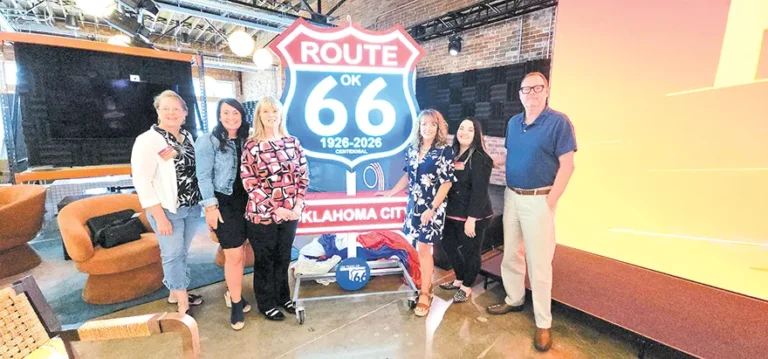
(462, 251)
(271, 245)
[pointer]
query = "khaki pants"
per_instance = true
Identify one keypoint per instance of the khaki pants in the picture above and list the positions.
(529, 236)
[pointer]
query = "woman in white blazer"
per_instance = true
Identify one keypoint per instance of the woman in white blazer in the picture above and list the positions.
(163, 167)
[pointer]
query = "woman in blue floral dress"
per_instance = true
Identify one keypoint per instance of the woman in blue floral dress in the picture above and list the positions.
(429, 174)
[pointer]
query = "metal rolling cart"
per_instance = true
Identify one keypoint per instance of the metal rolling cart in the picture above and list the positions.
(378, 268)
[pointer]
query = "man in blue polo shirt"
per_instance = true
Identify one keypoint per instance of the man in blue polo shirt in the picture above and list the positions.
(540, 145)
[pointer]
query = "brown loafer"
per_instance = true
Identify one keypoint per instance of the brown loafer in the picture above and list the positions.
(542, 341)
(503, 308)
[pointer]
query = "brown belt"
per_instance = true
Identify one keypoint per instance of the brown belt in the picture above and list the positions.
(530, 192)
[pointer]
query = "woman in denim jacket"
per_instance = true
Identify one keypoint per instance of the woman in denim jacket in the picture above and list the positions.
(224, 198)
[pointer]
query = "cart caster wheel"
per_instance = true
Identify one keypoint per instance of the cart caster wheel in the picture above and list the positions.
(411, 303)
(300, 317)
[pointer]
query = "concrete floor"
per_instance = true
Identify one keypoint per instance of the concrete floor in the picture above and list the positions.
(379, 327)
(373, 327)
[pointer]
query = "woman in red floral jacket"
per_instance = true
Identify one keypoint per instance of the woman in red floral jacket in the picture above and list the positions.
(275, 175)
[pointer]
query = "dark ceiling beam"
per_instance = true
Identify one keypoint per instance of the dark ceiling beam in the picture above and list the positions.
(279, 17)
(209, 15)
(335, 7)
(481, 14)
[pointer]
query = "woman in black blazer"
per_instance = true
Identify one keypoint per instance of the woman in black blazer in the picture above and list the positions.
(469, 208)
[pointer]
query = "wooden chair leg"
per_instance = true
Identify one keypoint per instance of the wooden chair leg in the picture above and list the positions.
(68, 347)
(184, 324)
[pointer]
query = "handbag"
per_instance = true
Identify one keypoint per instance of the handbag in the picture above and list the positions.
(119, 232)
(97, 223)
(113, 229)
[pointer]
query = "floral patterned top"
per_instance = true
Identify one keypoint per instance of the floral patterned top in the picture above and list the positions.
(186, 176)
(424, 179)
(275, 175)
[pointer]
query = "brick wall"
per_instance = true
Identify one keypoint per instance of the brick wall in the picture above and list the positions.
(257, 84)
(487, 46)
(484, 47)
(491, 46)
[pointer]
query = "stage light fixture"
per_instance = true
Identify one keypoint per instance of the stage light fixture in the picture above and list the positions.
(98, 8)
(263, 58)
(240, 43)
(130, 26)
(70, 22)
(454, 45)
(184, 38)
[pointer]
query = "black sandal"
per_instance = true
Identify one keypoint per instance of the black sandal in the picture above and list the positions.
(289, 307)
(194, 300)
(274, 314)
(228, 302)
(236, 317)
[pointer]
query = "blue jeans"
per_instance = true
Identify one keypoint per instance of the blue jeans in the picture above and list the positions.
(174, 248)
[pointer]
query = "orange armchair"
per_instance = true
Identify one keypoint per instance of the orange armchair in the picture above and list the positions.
(116, 274)
(21, 217)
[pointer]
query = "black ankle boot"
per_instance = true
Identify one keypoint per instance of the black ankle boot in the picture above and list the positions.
(236, 318)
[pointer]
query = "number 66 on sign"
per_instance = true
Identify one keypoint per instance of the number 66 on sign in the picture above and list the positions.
(349, 92)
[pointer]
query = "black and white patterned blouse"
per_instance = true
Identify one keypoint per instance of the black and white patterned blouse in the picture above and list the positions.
(186, 177)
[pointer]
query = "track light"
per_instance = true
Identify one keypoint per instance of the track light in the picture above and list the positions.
(130, 26)
(454, 45)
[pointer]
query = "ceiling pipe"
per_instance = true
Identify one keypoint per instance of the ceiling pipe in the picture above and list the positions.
(202, 14)
(254, 11)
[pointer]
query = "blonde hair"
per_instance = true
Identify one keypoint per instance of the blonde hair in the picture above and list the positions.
(441, 137)
(169, 94)
(259, 131)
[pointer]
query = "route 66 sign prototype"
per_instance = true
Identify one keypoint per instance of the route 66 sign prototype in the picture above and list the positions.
(349, 93)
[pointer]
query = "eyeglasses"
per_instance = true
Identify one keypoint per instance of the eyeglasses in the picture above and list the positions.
(527, 89)
(172, 110)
